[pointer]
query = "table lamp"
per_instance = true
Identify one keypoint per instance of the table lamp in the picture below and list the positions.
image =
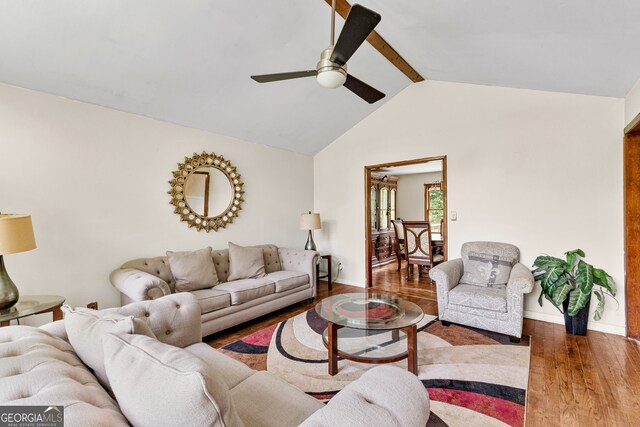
(16, 235)
(310, 221)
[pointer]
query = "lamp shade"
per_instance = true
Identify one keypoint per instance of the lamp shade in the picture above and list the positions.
(16, 234)
(310, 221)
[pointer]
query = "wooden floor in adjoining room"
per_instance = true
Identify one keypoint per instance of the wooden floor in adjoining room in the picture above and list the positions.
(573, 381)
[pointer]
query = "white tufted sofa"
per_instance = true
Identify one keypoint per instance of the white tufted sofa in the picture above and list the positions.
(38, 366)
(291, 278)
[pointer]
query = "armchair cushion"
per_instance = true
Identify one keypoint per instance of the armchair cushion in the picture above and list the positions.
(489, 298)
(488, 263)
(485, 269)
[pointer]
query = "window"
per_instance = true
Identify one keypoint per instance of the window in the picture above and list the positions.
(392, 205)
(434, 204)
(384, 212)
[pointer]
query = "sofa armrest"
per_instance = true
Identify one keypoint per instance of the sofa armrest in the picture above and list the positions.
(382, 396)
(175, 319)
(520, 282)
(300, 260)
(139, 285)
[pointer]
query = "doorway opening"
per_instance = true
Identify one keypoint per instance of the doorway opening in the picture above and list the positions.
(405, 198)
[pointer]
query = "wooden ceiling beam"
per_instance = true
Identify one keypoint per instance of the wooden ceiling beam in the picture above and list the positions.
(343, 7)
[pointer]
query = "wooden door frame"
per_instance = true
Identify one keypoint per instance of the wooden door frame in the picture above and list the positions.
(367, 206)
(631, 188)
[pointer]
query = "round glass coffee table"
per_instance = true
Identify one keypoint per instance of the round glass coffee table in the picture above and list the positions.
(28, 305)
(370, 328)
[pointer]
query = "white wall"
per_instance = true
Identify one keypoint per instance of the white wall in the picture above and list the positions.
(410, 197)
(632, 103)
(95, 181)
(537, 169)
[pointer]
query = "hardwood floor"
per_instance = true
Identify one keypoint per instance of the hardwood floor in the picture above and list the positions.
(585, 381)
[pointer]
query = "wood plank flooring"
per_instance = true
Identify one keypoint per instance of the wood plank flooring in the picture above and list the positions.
(573, 381)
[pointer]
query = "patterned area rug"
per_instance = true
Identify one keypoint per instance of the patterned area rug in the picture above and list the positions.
(474, 377)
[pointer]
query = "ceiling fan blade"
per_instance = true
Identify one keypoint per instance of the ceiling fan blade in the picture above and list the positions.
(363, 90)
(266, 78)
(359, 24)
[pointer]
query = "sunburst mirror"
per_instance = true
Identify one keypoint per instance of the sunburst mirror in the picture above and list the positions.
(207, 191)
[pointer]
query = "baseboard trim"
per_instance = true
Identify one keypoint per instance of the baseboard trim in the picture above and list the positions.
(593, 325)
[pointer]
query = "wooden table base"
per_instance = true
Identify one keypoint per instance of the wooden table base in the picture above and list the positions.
(411, 355)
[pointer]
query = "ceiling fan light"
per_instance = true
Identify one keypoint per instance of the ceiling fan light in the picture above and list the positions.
(331, 79)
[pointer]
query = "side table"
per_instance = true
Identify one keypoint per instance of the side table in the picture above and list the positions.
(29, 305)
(328, 275)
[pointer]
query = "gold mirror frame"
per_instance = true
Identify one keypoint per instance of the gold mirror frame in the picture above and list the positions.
(178, 199)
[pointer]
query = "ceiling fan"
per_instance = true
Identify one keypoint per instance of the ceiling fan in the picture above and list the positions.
(331, 70)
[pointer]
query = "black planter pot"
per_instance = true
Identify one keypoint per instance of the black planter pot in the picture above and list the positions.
(576, 325)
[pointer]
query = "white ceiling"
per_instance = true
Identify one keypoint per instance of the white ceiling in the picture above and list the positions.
(189, 62)
(578, 46)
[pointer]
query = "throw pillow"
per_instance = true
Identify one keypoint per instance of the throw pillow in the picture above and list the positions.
(482, 269)
(86, 327)
(156, 384)
(193, 270)
(245, 263)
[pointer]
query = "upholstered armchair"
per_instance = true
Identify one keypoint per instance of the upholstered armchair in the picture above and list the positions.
(484, 289)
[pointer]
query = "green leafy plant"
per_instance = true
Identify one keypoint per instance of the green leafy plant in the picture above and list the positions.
(572, 278)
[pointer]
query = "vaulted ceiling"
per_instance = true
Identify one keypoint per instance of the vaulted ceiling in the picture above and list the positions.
(189, 62)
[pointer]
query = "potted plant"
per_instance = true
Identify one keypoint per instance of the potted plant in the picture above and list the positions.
(570, 283)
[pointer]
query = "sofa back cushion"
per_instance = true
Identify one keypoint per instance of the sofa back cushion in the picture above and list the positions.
(174, 319)
(193, 270)
(157, 384)
(271, 258)
(221, 261)
(85, 329)
(39, 369)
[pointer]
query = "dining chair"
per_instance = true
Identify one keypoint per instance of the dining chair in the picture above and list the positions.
(399, 230)
(418, 249)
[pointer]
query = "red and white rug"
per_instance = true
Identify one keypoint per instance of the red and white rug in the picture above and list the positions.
(474, 377)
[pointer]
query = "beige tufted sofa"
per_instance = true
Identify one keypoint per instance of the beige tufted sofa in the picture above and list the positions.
(38, 366)
(291, 278)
